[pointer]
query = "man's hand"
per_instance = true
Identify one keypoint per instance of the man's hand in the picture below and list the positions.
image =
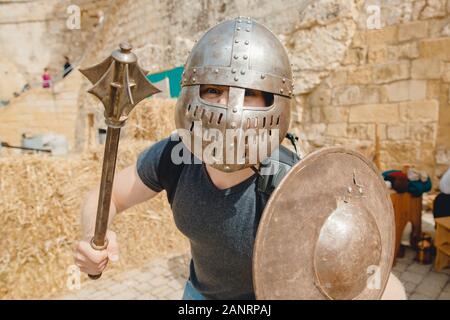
(93, 261)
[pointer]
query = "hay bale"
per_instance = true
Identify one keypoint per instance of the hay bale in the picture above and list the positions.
(40, 204)
(152, 119)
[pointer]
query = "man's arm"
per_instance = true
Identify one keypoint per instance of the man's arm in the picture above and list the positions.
(128, 190)
(444, 184)
(394, 289)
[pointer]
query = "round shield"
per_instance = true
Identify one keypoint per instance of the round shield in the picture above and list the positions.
(327, 231)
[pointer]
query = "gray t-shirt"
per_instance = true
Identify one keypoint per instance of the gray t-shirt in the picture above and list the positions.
(220, 225)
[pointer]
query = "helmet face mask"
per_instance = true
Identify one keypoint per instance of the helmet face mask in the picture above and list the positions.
(240, 54)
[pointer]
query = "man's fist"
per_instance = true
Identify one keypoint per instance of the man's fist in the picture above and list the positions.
(93, 261)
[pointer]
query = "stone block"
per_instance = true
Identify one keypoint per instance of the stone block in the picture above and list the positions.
(335, 114)
(384, 73)
(419, 111)
(361, 131)
(337, 78)
(433, 89)
(418, 296)
(408, 50)
(359, 39)
(380, 36)
(395, 153)
(426, 68)
(355, 56)
(438, 48)
(353, 94)
(336, 129)
(444, 296)
(446, 72)
(409, 286)
(377, 54)
(359, 75)
(397, 132)
(419, 268)
(412, 30)
(320, 97)
(406, 90)
(379, 113)
(412, 277)
(434, 9)
(425, 132)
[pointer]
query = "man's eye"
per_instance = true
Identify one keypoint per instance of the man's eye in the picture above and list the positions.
(212, 91)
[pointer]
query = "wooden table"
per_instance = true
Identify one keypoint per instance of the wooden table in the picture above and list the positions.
(407, 209)
(442, 243)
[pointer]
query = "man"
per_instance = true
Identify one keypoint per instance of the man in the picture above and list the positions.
(441, 205)
(237, 79)
(67, 66)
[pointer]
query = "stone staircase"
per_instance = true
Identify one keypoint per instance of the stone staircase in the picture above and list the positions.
(40, 110)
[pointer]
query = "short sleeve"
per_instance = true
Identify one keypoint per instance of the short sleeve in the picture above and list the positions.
(147, 165)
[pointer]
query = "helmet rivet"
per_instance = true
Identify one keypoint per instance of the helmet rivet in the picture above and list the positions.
(239, 21)
(284, 80)
(194, 80)
(281, 90)
(235, 109)
(245, 57)
(233, 125)
(216, 70)
(246, 42)
(290, 92)
(248, 29)
(233, 70)
(236, 56)
(195, 70)
(238, 28)
(263, 76)
(236, 78)
(236, 41)
(242, 72)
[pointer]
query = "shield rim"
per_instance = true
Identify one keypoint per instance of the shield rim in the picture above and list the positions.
(310, 158)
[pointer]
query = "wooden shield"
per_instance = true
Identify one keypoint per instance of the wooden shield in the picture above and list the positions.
(327, 231)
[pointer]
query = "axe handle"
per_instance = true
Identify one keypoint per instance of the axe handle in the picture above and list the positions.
(99, 241)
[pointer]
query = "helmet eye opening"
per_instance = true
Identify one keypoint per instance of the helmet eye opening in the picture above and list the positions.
(219, 95)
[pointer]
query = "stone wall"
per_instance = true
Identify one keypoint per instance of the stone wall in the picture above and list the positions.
(395, 77)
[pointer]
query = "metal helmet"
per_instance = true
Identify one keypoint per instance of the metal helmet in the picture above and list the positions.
(241, 54)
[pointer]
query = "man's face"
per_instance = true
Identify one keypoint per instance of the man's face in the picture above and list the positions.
(219, 94)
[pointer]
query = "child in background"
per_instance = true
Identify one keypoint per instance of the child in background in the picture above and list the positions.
(46, 79)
